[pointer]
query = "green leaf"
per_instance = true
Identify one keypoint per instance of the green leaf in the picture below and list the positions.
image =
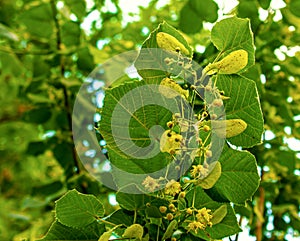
(59, 231)
(194, 13)
(243, 104)
(78, 210)
(294, 7)
(121, 216)
(190, 237)
(63, 154)
(190, 22)
(78, 7)
(38, 20)
(133, 202)
(208, 10)
(10, 65)
(233, 34)
(239, 179)
(38, 115)
(128, 115)
(48, 189)
(36, 148)
(153, 212)
(70, 33)
(265, 4)
(228, 225)
(85, 60)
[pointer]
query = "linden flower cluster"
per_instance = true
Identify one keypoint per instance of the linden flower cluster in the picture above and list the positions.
(199, 171)
(150, 184)
(203, 219)
(172, 188)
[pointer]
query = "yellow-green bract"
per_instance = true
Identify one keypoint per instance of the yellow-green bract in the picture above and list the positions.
(168, 42)
(230, 64)
(219, 214)
(134, 231)
(170, 230)
(214, 175)
(228, 128)
(171, 89)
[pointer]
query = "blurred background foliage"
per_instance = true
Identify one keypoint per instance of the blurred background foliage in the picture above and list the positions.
(48, 48)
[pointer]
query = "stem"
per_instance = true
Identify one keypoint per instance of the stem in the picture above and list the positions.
(62, 73)
(134, 217)
(261, 205)
(194, 196)
(240, 223)
(157, 235)
(109, 223)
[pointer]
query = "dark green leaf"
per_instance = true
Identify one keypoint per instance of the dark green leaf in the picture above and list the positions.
(206, 10)
(132, 202)
(77, 210)
(265, 4)
(153, 212)
(190, 22)
(239, 179)
(38, 115)
(70, 32)
(38, 20)
(36, 148)
(63, 152)
(59, 231)
(294, 6)
(78, 7)
(121, 217)
(48, 189)
(85, 60)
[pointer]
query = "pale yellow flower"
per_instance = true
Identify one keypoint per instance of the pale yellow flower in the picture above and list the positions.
(194, 226)
(172, 188)
(199, 171)
(203, 216)
(150, 184)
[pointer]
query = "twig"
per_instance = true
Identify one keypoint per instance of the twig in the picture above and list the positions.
(65, 92)
(261, 205)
